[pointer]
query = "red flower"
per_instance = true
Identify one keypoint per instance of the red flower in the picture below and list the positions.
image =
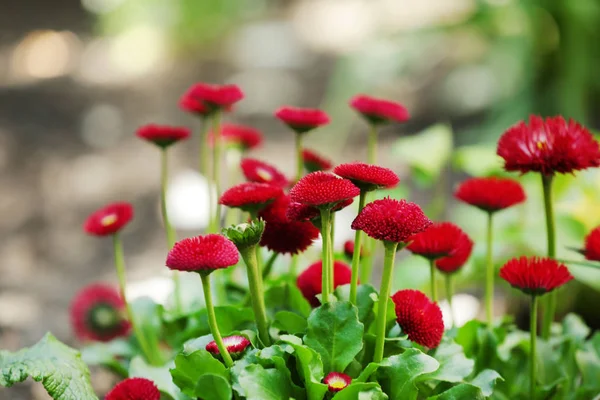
(309, 281)
(97, 313)
(283, 235)
(458, 256)
(535, 275)
(301, 212)
(437, 241)
(203, 254)
(250, 196)
(349, 249)
(419, 318)
(235, 345)
(240, 136)
(337, 381)
(204, 98)
(261, 172)
(367, 177)
(109, 219)
(302, 120)
(391, 220)
(548, 146)
(134, 389)
(314, 162)
(592, 245)
(490, 194)
(322, 189)
(379, 111)
(162, 136)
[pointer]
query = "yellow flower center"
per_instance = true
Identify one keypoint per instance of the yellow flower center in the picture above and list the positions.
(108, 220)
(264, 174)
(541, 145)
(337, 384)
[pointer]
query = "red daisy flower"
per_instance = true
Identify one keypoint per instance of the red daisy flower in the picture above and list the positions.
(239, 136)
(592, 245)
(134, 389)
(349, 249)
(204, 98)
(379, 111)
(261, 172)
(161, 135)
(457, 257)
(301, 212)
(548, 146)
(323, 189)
(302, 120)
(490, 194)
(203, 254)
(283, 235)
(419, 318)
(367, 177)
(97, 313)
(535, 275)
(109, 219)
(235, 345)
(437, 241)
(391, 220)
(337, 381)
(309, 281)
(250, 196)
(314, 162)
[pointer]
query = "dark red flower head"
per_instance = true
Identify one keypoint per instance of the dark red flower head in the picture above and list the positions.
(490, 194)
(367, 177)
(134, 389)
(203, 254)
(379, 111)
(250, 196)
(162, 135)
(437, 241)
(592, 245)
(323, 189)
(98, 313)
(283, 235)
(349, 249)
(309, 281)
(204, 98)
(235, 345)
(238, 136)
(337, 381)
(548, 146)
(302, 120)
(109, 219)
(391, 220)
(535, 275)
(261, 172)
(314, 162)
(458, 256)
(419, 318)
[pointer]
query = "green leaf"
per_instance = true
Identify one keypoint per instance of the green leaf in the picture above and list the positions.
(109, 354)
(573, 326)
(477, 160)
(59, 367)
(460, 392)
(335, 332)
(290, 322)
(148, 320)
(589, 364)
(398, 374)
(361, 391)
(161, 376)
(213, 387)
(364, 301)
(189, 368)
(257, 383)
(486, 381)
(229, 319)
(454, 366)
(286, 296)
(310, 368)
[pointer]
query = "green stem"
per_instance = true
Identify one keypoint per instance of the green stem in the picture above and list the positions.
(299, 158)
(269, 265)
(216, 174)
(325, 235)
(356, 254)
(212, 320)
(293, 266)
(256, 293)
(432, 280)
(550, 302)
(203, 158)
(532, 356)
(489, 276)
(384, 294)
(152, 355)
(331, 246)
(170, 232)
(580, 263)
(370, 247)
(449, 294)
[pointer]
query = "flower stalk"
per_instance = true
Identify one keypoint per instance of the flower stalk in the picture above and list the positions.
(212, 320)
(327, 278)
(216, 169)
(432, 280)
(356, 254)
(550, 301)
(299, 158)
(384, 294)
(533, 355)
(489, 276)
(449, 294)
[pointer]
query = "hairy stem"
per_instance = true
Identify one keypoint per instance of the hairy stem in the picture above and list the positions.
(550, 301)
(299, 158)
(489, 276)
(212, 321)
(384, 294)
(326, 237)
(256, 293)
(356, 254)
(532, 356)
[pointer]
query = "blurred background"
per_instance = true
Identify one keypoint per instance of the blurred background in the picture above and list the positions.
(77, 77)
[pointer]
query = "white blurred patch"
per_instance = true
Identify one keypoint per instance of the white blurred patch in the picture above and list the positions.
(188, 201)
(17, 310)
(158, 289)
(465, 308)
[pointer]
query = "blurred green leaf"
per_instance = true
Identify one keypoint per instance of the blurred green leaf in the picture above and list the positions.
(161, 377)
(362, 391)
(478, 160)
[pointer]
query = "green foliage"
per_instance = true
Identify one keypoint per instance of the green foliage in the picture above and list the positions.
(59, 367)
(191, 367)
(159, 375)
